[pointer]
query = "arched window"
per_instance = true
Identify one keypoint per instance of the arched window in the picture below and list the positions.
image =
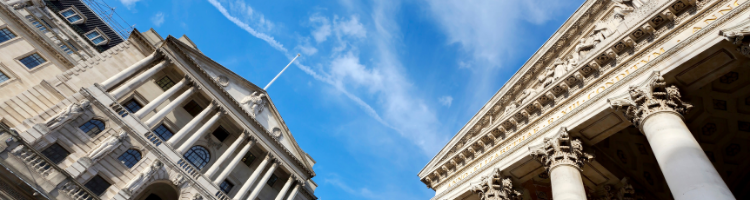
(130, 157)
(198, 156)
(92, 127)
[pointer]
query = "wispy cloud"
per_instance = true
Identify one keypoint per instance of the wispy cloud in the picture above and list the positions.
(322, 28)
(158, 19)
(446, 100)
(129, 3)
(246, 12)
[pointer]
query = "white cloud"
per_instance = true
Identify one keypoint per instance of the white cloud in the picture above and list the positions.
(158, 19)
(322, 28)
(352, 27)
(246, 12)
(129, 3)
(446, 100)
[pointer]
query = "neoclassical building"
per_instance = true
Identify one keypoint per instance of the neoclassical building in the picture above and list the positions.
(87, 113)
(629, 99)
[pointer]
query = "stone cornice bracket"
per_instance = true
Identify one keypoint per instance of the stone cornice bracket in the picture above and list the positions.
(643, 100)
(189, 80)
(560, 149)
(495, 187)
(736, 34)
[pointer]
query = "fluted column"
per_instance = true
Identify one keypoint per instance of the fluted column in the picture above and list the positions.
(288, 184)
(245, 187)
(137, 81)
(657, 110)
(200, 132)
(127, 72)
(496, 187)
(191, 124)
(563, 158)
(262, 181)
(170, 107)
(226, 169)
(294, 191)
(162, 98)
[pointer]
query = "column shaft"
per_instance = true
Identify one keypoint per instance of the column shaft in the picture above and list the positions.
(250, 180)
(127, 72)
(137, 81)
(567, 183)
(169, 108)
(191, 125)
(262, 182)
(199, 133)
(687, 169)
(160, 99)
(294, 192)
(288, 183)
(228, 169)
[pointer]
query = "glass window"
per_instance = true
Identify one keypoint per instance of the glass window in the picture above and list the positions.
(97, 185)
(198, 156)
(55, 153)
(165, 83)
(96, 37)
(248, 159)
(272, 180)
(163, 132)
(6, 35)
(193, 108)
(39, 26)
(92, 127)
(71, 15)
(130, 157)
(133, 106)
(221, 133)
(3, 77)
(32, 60)
(226, 186)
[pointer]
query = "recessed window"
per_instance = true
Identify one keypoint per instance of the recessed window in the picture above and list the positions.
(226, 186)
(163, 132)
(3, 77)
(32, 60)
(96, 37)
(193, 108)
(248, 159)
(6, 35)
(72, 15)
(133, 106)
(97, 185)
(221, 133)
(130, 157)
(198, 156)
(39, 26)
(92, 127)
(55, 153)
(272, 180)
(165, 83)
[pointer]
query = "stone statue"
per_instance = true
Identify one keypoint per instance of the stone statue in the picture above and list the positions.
(255, 102)
(142, 178)
(107, 146)
(72, 111)
(527, 95)
(622, 8)
(495, 187)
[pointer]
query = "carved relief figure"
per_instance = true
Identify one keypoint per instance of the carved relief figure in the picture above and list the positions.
(255, 102)
(107, 146)
(622, 8)
(142, 178)
(72, 111)
(554, 72)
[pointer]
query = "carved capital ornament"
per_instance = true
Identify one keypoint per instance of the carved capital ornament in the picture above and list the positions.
(495, 187)
(560, 149)
(654, 97)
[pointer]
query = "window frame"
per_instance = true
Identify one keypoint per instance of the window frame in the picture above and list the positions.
(61, 147)
(39, 66)
(101, 34)
(128, 152)
(192, 150)
(106, 180)
(230, 184)
(15, 36)
(78, 13)
(9, 73)
(125, 104)
(244, 159)
(272, 180)
(166, 126)
(158, 82)
(225, 131)
(102, 129)
(184, 107)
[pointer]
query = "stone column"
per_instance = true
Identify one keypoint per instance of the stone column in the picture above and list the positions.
(162, 97)
(226, 169)
(495, 187)
(127, 72)
(151, 122)
(137, 81)
(288, 183)
(262, 182)
(200, 132)
(657, 110)
(190, 126)
(563, 158)
(250, 180)
(294, 191)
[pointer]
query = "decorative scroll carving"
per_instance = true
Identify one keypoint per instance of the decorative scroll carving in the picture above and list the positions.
(495, 187)
(651, 98)
(255, 102)
(72, 111)
(736, 34)
(142, 178)
(560, 149)
(107, 146)
(222, 80)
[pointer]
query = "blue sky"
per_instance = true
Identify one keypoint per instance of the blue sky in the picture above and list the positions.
(381, 86)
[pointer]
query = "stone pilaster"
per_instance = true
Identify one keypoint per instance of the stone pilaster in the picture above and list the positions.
(495, 187)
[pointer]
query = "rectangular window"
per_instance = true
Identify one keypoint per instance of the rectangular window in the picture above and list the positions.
(96, 37)
(6, 35)
(32, 60)
(3, 77)
(165, 83)
(221, 133)
(226, 186)
(193, 108)
(55, 153)
(248, 159)
(163, 132)
(133, 106)
(72, 16)
(97, 185)
(272, 180)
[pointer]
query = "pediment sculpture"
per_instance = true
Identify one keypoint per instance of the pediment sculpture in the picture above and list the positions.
(495, 187)
(71, 112)
(624, 7)
(255, 102)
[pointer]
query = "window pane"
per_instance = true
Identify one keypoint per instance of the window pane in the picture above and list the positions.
(221, 133)
(163, 132)
(226, 186)
(248, 159)
(272, 180)
(55, 153)
(99, 40)
(133, 106)
(74, 18)
(165, 83)
(92, 35)
(198, 156)
(3, 77)
(193, 108)
(6, 35)
(130, 157)
(92, 127)
(68, 13)
(32, 61)
(97, 185)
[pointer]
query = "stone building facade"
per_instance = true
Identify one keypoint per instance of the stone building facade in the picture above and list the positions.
(629, 99)
(86, 113)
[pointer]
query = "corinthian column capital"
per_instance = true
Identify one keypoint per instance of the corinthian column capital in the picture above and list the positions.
(653, 97)
(560, 149)
(495, 187)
